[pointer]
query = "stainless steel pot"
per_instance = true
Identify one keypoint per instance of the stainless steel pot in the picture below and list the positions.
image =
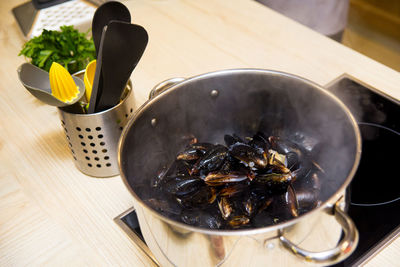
(244, 101)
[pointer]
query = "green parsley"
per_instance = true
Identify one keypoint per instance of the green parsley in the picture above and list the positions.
(67, 47)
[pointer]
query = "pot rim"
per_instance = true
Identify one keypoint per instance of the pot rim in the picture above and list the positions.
(327, 204)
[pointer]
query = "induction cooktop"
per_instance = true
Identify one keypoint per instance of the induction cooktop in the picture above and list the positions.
(374, 201)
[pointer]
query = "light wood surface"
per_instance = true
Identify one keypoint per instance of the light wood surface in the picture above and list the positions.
(373, 30)
(50, 213)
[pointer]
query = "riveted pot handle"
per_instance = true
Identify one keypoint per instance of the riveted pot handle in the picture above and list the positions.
(345, 247)
(164, 85)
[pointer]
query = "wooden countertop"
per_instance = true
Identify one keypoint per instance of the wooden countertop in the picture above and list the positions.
(52, 214)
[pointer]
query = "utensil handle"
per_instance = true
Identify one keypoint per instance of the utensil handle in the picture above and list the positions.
(345, 247)
(164, 85)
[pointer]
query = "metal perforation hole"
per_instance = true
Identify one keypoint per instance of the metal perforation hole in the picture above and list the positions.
(70, 145)
(87, 158)
(102, 143)
(106, 157)
(73, 152)
(85, 151)
(92, 144)
(83, 144)
(80, 136)
(90, 137)
(98, 128)
(131, 110)
(62, 122)
(87, 129)
(100, 136)
(69, 138)
(104, 150)
(96, 159)
(98, 165)
(89, 164)
(65, 129)
(94, 151)
(78, 129)
(120, 128)
(108, 164)
(74, 158)
(126, 115)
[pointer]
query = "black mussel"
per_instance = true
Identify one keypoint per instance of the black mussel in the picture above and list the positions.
(189, 154)
(211, 220)
(202, 218)
(260, 142)
(304, 167)
(232, 164)
(307, 192)
(202, 147)
(198, 199)
(257, 200)
(250, 207)
(166, 172)
(274, 178)
(178, 168)
(281, 209)
(166, 205)
(306, 142)
(225, 207)
(274, 183)
(221, 178)
(264, 203)
(307, 200)
(232, 139)
(191, 217)
(232, 190)
(293, 161)
(298, 159)
(238, 221)
(212, 195)
(183, 185)
(212, 160)
(262, 219)
(249, 155)
(277, 161)
(283, 146)
(227, 166)
(291, 201)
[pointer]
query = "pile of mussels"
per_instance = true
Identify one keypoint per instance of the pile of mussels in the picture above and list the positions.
(247, 183)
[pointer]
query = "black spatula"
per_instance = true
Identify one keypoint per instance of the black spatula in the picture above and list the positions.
(122, 48)
(103, 15)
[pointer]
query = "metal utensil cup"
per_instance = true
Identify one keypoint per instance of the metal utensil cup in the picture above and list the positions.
(93, 138)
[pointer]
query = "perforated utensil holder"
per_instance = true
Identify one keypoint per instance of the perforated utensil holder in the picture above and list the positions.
(93, 138)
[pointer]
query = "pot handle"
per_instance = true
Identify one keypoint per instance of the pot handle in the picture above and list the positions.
(164, 85)
(343, 249)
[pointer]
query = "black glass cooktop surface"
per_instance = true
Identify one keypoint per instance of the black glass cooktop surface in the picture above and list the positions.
(374, 197)
(374, 193)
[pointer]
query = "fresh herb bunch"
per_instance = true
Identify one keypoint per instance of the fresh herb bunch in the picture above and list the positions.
(67, 47)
